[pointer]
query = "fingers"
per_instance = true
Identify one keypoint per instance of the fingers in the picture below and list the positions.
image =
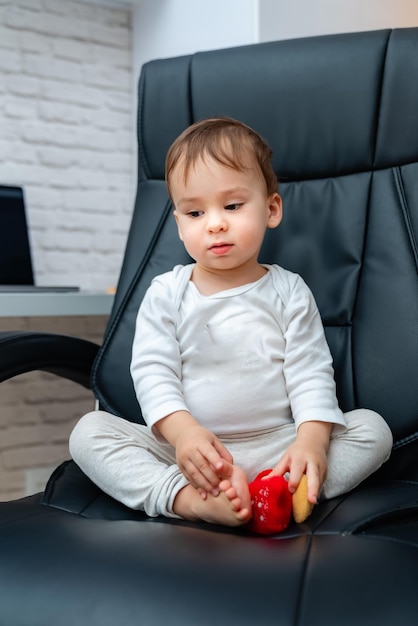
(202, 458)
(316, 478)
(223, 452)
(203, 468)
(296, 468)
(313, 486)
(201, 475)
(293, 467)
(282, 466)
(296, 472)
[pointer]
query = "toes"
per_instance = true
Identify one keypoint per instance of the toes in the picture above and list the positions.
(233, 498)
(244, 515)
(224, 485)
(231, 493)
(235, 505)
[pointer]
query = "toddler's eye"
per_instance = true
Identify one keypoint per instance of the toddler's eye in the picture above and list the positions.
(194, 213)
(232, 207)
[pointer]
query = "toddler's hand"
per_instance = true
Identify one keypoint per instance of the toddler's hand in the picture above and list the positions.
(307, 455)
(201, 457)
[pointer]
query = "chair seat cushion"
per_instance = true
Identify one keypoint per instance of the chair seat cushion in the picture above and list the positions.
(78, 557)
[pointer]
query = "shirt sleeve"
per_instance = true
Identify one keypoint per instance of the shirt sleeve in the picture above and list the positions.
(156, 361)
(308, 367)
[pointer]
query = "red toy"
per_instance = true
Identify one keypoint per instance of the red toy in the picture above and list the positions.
(271, 503)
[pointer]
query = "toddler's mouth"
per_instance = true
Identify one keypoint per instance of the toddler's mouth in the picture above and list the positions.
(220, 248)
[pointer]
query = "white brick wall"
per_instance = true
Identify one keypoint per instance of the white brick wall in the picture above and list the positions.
(67, 136)
(67, 133)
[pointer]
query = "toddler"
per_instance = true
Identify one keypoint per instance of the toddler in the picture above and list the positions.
(229, 361)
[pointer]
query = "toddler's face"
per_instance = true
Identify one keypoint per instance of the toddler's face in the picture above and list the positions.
(222, 213)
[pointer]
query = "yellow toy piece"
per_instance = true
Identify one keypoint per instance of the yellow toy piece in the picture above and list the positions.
(301, 507)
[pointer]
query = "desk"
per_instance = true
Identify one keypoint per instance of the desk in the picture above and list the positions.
(50, 304)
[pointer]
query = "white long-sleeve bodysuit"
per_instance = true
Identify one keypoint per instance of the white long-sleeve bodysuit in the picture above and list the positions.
(242, 360)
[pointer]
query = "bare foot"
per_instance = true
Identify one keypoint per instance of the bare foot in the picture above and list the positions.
(234, 485)
(223, 509)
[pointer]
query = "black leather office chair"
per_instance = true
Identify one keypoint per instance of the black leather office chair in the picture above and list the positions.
(341, 114)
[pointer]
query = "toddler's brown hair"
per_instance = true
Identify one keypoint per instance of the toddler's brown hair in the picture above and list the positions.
(226, 140)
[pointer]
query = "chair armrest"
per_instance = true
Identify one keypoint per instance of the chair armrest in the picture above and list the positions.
(62, 355)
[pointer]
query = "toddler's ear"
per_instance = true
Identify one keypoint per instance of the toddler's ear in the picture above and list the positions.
(276, 210)
(178, 225)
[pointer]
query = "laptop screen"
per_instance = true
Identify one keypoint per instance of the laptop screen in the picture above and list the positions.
(15, 256)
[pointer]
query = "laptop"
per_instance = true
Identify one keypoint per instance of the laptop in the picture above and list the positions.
(16, 270)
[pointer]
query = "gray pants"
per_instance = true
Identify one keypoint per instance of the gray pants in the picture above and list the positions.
(127, 462)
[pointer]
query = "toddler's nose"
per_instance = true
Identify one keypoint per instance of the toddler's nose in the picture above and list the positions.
(216, 222)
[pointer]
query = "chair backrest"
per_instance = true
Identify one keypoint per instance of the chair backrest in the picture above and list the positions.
(341, 114)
